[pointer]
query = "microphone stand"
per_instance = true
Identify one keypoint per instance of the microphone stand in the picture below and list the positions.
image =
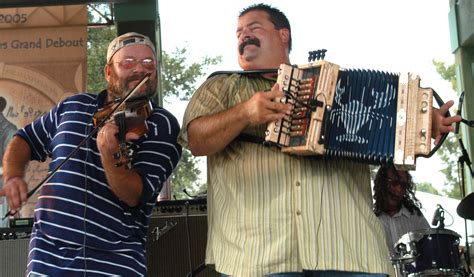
(464, 158)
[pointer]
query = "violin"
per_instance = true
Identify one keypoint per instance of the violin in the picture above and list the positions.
(130, 116)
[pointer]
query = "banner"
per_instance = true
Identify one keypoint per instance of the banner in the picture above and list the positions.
(43, 59)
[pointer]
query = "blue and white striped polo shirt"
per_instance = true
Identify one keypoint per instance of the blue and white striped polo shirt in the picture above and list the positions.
(80, 225)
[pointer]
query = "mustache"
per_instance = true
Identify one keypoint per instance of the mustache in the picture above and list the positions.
(250, 41)
(136, 77)
(120, 87)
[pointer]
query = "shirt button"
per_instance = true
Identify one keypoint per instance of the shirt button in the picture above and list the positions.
(298, 212)
(298, 183)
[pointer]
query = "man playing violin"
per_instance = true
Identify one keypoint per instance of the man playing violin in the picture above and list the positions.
(92, 215)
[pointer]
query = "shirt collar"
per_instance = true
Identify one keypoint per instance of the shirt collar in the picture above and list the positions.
(101, 98)
(402, 212)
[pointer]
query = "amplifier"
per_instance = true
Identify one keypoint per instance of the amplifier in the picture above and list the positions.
(177, 236)
(26, 222)
(13, 257)
(15, 233)
(176, 242)
(14, 244)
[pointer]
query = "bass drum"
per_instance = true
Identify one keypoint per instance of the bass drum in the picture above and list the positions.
(430, 252)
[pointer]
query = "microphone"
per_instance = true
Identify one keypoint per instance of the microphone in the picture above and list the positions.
(436, 215)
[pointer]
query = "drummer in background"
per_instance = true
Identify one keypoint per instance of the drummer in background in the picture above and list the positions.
(396, 205)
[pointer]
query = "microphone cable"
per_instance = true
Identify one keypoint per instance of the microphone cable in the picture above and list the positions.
(188, 238)
(192, 271)
(86, 186)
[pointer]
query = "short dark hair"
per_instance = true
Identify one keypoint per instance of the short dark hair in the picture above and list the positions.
(277, 17)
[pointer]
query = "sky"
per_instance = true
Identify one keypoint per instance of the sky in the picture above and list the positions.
(397, 36)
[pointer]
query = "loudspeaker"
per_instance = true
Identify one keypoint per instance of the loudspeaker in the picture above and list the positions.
(176, 242)
(13, 257)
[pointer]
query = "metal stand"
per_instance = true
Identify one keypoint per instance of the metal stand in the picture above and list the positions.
(399, 267)
(464, 159)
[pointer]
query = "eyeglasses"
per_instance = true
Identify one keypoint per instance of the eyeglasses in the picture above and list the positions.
(129, 63)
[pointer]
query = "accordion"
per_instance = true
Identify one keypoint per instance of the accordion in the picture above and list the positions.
(362, 115)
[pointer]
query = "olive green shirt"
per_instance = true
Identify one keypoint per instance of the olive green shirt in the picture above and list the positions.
(270, 212)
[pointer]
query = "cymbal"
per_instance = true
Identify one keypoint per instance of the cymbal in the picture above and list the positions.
(465, 208)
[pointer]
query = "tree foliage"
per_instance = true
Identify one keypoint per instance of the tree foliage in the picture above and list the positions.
(98, 40)
(179, 82)
(450, 169)
(179, 78)
(185, 177)
(448, 73)
(427, 187)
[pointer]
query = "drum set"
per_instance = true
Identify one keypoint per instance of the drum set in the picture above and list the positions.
(430, 252)
(433, 252)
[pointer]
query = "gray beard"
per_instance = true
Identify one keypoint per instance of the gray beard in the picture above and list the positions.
(119, 89)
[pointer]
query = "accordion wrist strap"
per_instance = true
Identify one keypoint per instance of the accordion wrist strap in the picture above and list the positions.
(245, 72)
(250, 138)
(255, 139)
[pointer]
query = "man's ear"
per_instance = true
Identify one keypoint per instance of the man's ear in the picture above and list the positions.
(107, 72)
(284, 35)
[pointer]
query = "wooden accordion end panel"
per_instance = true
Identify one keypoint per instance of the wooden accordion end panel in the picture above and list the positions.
(414, 119)
(362, 115)
(307, 86)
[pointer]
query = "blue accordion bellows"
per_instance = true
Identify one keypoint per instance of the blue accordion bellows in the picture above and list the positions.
(362, 119)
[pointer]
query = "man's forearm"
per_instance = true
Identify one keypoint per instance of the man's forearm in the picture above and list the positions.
(16, 157)
(125, 183)
(210, 134)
